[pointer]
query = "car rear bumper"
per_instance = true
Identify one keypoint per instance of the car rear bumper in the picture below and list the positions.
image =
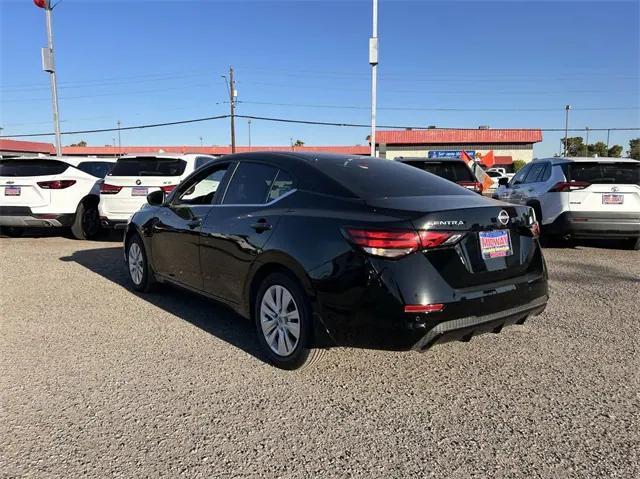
(23, 217)
(596, 224)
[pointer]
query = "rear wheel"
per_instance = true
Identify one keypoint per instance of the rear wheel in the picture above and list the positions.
(86, 224)
(632, 244)
(283, 322)
(12, 231)
(140, 271)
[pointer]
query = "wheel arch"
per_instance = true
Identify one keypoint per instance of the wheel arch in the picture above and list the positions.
(90, 200)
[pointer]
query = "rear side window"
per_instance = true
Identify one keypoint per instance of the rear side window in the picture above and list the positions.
(281, 185)
(39, 167)
(376, 178)
(99, 169)
(609, 173)
(148, 166)
(203, 160)
(250, 184)
(450, 170)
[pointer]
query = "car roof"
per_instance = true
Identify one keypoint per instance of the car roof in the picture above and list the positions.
(583, 159)
(70, 160)
(179, 156)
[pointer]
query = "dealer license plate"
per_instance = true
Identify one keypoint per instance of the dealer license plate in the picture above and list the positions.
(12, 191)
(495, 244)
(139, 191)
(609, 199)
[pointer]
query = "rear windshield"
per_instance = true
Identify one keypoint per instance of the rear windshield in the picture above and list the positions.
(148, 166)
(99, 169)
(450, 170)
(609, 173)
(37, 167)
(375, 178)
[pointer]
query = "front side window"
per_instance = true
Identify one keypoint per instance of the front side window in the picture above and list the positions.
(99, 169)
(250, 184)
(519, 176)
(535, 173)
(203, 191)
(203, 160)
(149, 166)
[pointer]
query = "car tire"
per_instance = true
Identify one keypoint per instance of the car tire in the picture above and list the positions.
(140, 272)
(86, 224)
(284, 323)
(632, 244)
(12, 231)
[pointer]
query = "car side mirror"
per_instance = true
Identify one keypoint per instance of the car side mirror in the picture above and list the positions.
(503, 181)
(156, 198)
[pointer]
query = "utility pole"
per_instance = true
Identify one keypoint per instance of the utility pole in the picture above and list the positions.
(566, 129)
(119, 140)
(48, 65)
(373, 61)
(249, 123)
(608, 133)
(586, 146)
(200, 142)
(231, 86)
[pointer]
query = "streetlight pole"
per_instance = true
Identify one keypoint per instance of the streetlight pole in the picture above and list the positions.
(119, 140)
(566, 129)
(249, 123)
(586, 146)
(48, 65)
(373, 61)
(608, 133)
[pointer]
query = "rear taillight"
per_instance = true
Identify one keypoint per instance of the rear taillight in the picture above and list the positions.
(396, 243)
(56, 184)
(564, 186)
(168, 188)
(107, 189)
(472, 185)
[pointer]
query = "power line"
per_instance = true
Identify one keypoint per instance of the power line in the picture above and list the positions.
(303, 122)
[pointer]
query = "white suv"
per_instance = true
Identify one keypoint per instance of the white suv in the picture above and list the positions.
(581, 197)
(126, 187)
(51, 192)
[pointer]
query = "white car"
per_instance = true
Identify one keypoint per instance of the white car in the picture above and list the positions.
(126, 187)
(581, 197)
(51, 192)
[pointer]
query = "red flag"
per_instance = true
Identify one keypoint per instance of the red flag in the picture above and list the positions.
(489, 160)
(41, 3)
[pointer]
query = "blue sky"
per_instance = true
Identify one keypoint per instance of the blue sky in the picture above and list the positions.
(154, 61)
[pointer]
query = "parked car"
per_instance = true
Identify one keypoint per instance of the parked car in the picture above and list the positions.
(452, 169)
(126, 187)
(324, 250)
(581, 197)
(501, 172)
(51, 192)
(495, 177)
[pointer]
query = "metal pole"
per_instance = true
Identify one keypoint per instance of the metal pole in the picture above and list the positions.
(249, 123)
(373, 60)
(54, 84)
(566, 130)
(232, 93)
(119, 140)
(200, 142)
(608, 133)
(586, 146)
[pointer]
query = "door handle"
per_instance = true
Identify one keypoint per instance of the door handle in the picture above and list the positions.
(261, 225)
(194, 223)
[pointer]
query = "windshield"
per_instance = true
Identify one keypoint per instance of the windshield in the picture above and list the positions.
(35, 167)
(376, 178)
(609, 173)
(148, 166)
(450, 170)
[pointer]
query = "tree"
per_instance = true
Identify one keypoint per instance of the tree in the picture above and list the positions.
(634, 149)
(575, 146)
(80, 143)
(518, 165)
(598, 149)
(615, 151)
(299, 143)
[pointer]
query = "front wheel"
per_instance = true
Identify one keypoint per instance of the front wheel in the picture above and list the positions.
(283, 322)
(140, 271)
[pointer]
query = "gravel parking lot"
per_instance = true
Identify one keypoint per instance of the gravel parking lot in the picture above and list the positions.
(98, 381)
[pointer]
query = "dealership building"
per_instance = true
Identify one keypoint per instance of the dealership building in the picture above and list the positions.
(508, 145)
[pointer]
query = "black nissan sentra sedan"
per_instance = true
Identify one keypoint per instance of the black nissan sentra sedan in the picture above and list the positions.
(325, 250)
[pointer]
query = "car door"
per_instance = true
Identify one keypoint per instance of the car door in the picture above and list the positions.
(176, 232)
(529, 189)
(236, 231)
(514, 193)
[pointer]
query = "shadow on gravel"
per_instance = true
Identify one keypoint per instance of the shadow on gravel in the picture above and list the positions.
(586, 273)
(35, 233)
(588, 243)
(212, 317)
